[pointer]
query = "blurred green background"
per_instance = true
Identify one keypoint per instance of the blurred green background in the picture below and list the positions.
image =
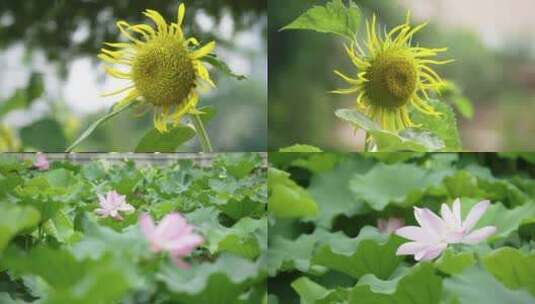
(492, 42)
(51, 80)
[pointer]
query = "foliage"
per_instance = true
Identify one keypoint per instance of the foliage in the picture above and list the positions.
(55, 249)
(339, 256)
(486, 102)
(333, 18)
(430, 132)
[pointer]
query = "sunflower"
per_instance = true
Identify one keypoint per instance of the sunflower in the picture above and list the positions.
(165, 67)
(393, 75)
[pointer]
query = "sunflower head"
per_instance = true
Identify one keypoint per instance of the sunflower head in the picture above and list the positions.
(392, 80)
(392, 76)
(164, 67)
(163, 72)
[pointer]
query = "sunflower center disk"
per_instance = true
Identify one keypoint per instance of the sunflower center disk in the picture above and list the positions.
(163, 72)
(392, 81)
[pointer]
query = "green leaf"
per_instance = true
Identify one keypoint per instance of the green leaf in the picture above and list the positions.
(99, 241)
(475, 285)
(60, 178)
(237, 209)
(44, 135)
(72, 281)
(220, 65)
(506, 220)
(238, 165)
(208, 113)
(309, 291)
(287, 254)
(527, 229)
(334, 18)
(63, 227)
(15, 219)
(115, 110)
(369, 253)
(245, 238)
(317, 162)
(221, 282)
(6, 299)
(464, 106)
(462, 184)
(445, 126)
(419, 286)
(300, 148)
(453, 263)
(154, 141)
(332, 193)
(512, 268)
(400, 184)
(386, 141)
(9, 163)
(93, 171)
(287, 199)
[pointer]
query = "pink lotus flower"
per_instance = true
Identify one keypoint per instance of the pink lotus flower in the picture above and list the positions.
(41, 162)
(173, 235)
(389, 225)
(435, 233)
(112, 204)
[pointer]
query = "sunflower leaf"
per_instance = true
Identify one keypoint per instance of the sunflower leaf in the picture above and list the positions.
(154, 141)
(334, 18)
(444, 126)
(386, 141)
(222, 66)
(115, 110)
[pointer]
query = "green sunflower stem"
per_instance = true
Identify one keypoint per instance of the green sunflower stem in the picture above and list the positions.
(201, 132)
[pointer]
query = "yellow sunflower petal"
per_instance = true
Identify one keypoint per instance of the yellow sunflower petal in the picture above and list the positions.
(180, 14)
(203, 51)
(158, 20)
(192, 41)
(346, 78)
(117, 74)
(202, 72)
(124, 27)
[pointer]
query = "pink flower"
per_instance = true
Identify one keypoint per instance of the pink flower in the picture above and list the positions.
(389, 225)
(435, 233)
(173, 235)
(111, 204)
(41, 162)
